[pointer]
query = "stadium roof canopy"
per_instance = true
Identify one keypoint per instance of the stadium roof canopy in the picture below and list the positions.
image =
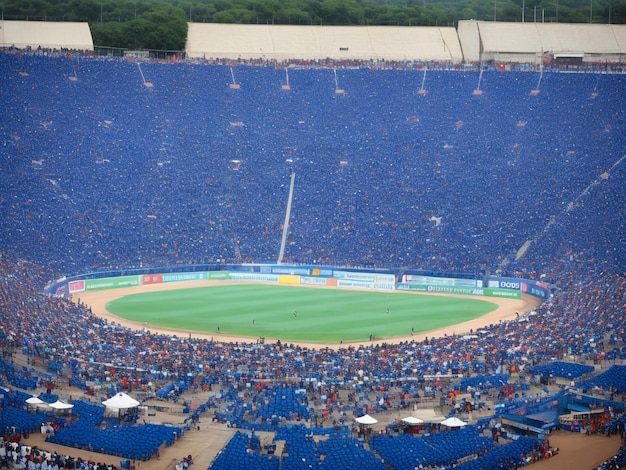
(528, 42)
(45, 34)
(282, 42)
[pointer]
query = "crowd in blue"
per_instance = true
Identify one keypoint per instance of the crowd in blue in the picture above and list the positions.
(109, 163)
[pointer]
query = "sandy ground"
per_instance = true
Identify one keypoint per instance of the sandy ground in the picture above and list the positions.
(97, 300)
(577, 451)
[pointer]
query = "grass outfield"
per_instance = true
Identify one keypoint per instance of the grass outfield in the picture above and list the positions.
(297, 313)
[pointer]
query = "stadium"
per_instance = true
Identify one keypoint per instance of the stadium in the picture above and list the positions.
(484, 163)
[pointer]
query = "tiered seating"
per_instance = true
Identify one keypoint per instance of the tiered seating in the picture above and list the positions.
(346, 453)
(23, 421)
(133, 442)
(299, 451)
(406, 451)
(483, 382)
(568, 370)
(20, 378)
(457, 444)
(235, 456)
(614, 377)
(510, 455)
(430, 130)
(172, 390)
(16, 398)
(284, 402)
(445, 448)
(383, 172)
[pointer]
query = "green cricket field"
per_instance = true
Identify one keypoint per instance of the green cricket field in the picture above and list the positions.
(297, 314)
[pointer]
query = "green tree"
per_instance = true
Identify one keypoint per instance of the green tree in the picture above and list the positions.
(163, 28)
(341, 12)
(295, 16)
(238, 15)
(109, 34)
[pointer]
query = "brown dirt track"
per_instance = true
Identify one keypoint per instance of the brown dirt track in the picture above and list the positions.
(97, 300)
(577, 451)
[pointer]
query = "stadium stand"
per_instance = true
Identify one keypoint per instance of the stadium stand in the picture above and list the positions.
(103, 173)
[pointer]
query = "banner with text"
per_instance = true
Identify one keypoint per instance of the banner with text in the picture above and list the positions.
(526, 286)
(440, 289)
(253, 277)
(441, 281)
(112, 282)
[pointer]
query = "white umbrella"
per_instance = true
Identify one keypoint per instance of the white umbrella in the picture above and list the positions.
(453, 422)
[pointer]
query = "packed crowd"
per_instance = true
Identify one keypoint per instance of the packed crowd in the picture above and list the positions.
(581, 320)
(16, 455)
(105, 172)
(384, 176)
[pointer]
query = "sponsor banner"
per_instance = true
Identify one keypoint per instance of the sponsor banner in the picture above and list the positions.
(435, 281)
(527, 286)
(385, 285)
(253, 277)
(386, 278)
(152, 279)
(177, 277)
(313, 281)
(76, 286)
(365, 277)
(505, 283)
(440, 281)
(218, 275)
(112, 282)
(440, 289)
(407, 286)
(291, 280)
(355, 284)
(355, 276)
(290, 270)
(505, 293)
(455, 290)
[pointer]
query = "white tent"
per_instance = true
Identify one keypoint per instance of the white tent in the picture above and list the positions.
(121, 401)
(35, 401)
(411, 420)
(61, 408)
(59, 405)
(453, 422)
(366, 419)
(118, 404)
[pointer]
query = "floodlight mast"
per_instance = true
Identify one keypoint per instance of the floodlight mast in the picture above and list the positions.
(283, 241)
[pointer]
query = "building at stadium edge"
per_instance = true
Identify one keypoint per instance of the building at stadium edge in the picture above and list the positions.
(473, 41)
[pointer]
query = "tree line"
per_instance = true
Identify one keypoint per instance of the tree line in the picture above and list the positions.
(162, 24)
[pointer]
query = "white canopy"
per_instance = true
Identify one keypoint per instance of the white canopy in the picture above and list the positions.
(35, 401)
(412, 420)
(366, 419)
(453, 422)
(59, 405)
(121, 401)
